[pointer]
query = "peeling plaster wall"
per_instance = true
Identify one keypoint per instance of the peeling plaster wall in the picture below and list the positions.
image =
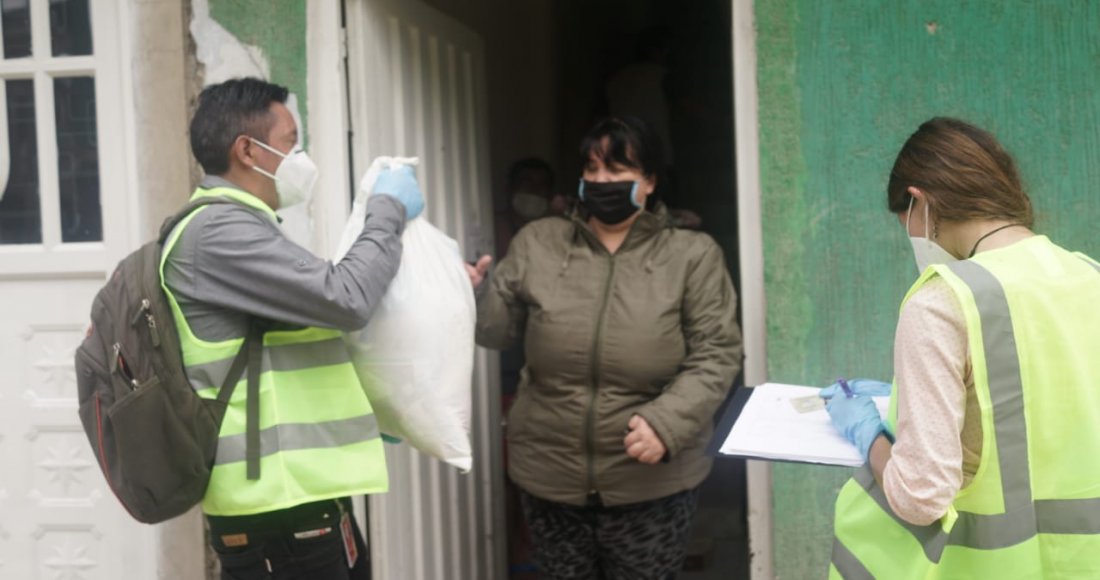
(273, 30)
(842, 85)
(260, 38)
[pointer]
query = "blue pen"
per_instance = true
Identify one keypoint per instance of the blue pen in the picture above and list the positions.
(844, 385)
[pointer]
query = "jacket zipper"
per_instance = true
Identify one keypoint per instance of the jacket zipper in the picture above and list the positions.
(590, 416)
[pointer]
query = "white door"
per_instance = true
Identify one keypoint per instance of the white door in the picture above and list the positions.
(417, 87)
(65, 218)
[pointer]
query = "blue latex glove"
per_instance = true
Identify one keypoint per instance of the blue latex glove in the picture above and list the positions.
(867, 387)
(401, 184)
(857, 419)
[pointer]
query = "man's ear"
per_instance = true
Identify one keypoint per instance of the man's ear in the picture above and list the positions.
(242, 152)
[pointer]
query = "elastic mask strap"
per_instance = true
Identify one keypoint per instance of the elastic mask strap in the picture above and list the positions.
(634, 195)
(262, 172)
(909, 215)
(927, 232)
(271, 149)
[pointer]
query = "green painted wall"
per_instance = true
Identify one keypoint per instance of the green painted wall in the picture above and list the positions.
(278, 28)
(842, 85)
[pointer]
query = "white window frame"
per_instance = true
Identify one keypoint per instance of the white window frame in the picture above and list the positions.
(52, 257)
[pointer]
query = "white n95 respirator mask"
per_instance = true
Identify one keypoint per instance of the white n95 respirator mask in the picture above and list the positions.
(295, 176)
(530, 206)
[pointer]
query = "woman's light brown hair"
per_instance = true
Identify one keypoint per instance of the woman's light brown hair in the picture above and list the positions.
(964, 171)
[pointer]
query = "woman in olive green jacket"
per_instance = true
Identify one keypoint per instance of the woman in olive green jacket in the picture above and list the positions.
(631, 344)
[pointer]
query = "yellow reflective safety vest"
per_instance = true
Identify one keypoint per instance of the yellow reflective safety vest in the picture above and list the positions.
(318, 435)
(1032, 510)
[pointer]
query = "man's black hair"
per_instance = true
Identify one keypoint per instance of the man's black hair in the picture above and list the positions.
(228, 110)
(515, 172)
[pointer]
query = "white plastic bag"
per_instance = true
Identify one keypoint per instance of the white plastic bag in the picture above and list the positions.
(415, 357)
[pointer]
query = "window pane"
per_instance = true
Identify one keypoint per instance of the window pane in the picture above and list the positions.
(77, 159)
(16, 16)
(70, 27)
(20, 211)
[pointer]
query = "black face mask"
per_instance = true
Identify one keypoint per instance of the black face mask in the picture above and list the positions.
(611, 202)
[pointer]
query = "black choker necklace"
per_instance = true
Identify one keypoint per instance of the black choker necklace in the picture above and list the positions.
(975, 248)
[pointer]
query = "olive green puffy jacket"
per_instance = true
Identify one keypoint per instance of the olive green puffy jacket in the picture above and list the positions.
(650, 330)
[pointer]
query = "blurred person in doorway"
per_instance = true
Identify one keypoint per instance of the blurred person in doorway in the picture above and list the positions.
(529, 195)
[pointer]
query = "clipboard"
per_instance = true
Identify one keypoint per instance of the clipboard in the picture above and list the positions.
(761, 423)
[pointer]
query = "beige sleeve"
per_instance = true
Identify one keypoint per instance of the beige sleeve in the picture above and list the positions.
(938, 438)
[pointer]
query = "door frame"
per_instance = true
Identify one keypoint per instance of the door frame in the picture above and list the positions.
(751, 246)
(329, 125)
(330, 130)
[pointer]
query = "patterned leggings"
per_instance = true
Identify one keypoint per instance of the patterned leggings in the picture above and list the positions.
(641, 541)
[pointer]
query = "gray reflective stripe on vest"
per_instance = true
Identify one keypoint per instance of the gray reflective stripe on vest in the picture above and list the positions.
(1091, 263)
(989, 532)
(296, 436)
(1023, 518)
(932, 538)
(1006, 387)
(1068, 516)
(283, 357)
(847, 564)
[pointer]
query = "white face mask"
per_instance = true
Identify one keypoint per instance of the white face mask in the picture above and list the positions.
(295, 176)
(925, 251)
(530, 206)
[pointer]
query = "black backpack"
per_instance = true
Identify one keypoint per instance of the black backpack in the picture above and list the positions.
(153, 436)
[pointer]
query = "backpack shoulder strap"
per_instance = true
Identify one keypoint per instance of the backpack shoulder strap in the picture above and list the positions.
(173, 221)
(250, 356)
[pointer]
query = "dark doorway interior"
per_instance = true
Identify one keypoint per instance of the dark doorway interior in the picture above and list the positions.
(608, 47)
(670, 63)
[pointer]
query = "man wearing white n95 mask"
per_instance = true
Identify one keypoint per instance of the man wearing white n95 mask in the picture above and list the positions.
(230, 272)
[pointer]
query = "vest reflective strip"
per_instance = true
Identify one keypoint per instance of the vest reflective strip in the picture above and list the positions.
(848, 565)
(296, 436)
(1093, 264)
(1023, 518)
(1006, 387)
(283, 357)
(932, 538)
(1068, 516)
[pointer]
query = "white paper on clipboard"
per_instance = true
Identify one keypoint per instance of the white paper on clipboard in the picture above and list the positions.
(769, 427)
